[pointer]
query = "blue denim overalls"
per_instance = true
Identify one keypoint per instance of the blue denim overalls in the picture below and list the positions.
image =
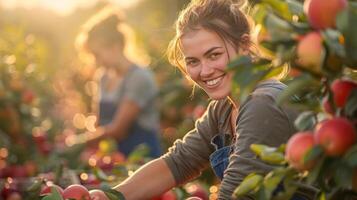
(136, 134)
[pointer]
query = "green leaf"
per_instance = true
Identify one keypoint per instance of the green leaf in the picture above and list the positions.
(332, 39)
(139, 153)
(260, 148)
(35, 187)
(305, 121)
(295, 7)
(298, 84)
(343, 175)
(239, 62)
(274, 158)
(268, 154)
(351, 156)
(247, 74)
(282, 148)
(279, 29)
(322, 196)
(259, 13)
(351, 105)
(347, 24)
(280, 8)
(113, 194)
(250, 183)
(272, 180)
(313, 154)
(315, 173)
(101, 175)
(55, 193)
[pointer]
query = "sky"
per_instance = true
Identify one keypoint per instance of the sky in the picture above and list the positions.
(62, 7)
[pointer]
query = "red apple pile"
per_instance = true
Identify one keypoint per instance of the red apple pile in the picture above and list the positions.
(74, 192)
(335, 136)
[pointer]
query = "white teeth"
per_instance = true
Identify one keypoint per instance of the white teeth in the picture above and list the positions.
(213, 82)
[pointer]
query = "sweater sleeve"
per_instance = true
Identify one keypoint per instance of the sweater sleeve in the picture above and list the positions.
(260, 121)
(189, 156)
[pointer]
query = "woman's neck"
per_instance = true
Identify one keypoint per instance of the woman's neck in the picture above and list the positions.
(123, 66)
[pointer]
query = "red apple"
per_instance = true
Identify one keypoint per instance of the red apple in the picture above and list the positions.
(14, 196)
(322, 13)
(335, 135)
(19, 171)
(309, 51)
(27, 96)
(196, 190)
(169, 195)
(91, 181)
(341, 90)
(76, 192)
(297, 148)
(47, 189)
(8, 190)
(98, 195)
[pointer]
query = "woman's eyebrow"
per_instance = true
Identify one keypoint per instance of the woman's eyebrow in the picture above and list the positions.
(210, 50)
(205, 54)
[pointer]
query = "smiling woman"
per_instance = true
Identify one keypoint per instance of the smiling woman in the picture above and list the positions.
(209, 34)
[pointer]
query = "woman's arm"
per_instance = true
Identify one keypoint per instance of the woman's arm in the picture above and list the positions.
(118, 128)
(123, 119)
(152, 179)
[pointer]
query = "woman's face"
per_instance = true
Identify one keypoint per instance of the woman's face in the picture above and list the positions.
(206, 56)
(106, 56)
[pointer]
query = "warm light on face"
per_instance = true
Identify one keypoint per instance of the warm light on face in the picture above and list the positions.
(206, 56)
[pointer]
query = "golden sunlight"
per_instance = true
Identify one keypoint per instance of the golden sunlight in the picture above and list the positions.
(63, 7)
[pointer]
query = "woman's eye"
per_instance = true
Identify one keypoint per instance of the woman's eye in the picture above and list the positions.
(214, 55)
(192, 63)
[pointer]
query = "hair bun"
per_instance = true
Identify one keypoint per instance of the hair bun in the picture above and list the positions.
(239, 4)
(112, 20)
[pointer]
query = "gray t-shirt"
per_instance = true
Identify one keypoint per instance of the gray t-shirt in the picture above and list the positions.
(260, 120)
(139, 86)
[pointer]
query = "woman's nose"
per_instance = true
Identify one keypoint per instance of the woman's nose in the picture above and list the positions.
(206, 69)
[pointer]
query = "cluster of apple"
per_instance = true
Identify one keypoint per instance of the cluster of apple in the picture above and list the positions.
(321, 16)
(75, 192)
(19, 171)
(335, 135)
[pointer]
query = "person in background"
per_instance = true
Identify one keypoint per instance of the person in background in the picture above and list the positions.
(210, 34)
(127, 109)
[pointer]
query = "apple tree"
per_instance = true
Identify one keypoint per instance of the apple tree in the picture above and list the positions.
(316, 40)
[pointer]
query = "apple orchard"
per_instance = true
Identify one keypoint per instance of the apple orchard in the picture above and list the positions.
(315, 39)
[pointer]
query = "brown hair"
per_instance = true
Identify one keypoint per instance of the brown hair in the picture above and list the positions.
(102, 27)
(108, 27)
(224, 17)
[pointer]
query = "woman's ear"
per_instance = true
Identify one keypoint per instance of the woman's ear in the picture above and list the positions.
(244, 44)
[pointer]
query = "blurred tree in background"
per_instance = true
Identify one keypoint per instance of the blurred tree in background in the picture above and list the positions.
(47, 90)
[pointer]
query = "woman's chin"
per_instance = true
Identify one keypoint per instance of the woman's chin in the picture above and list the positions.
(217, 96)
